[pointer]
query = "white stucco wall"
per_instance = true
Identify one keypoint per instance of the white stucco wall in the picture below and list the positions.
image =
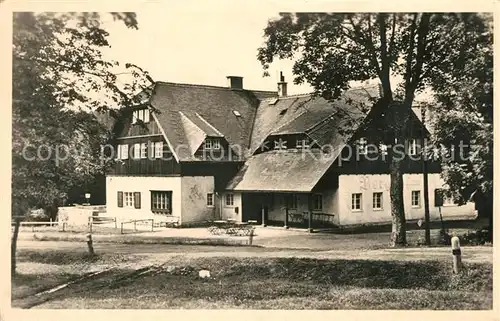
(228, 212)
(368, 184)
(194, 202)
(142, 184)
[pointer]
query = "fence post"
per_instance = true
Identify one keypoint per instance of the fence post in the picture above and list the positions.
(121, 227)
(135, 226)
(250, 238)
(152, 224)
(115, 222)
(457, 255)
(89, 244)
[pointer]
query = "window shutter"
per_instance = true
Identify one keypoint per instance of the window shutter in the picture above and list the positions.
(137, 199)
(120, 199)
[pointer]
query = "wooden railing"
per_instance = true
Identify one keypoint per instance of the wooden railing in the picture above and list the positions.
(135, 224)
(317, 218)
(101, 220)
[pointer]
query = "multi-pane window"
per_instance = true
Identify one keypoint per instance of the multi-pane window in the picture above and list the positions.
(210, 199)
(142, 115)
(229, 199)
(122, 152)
(144, 148)
(158, 149)
(362, 146)
(377, 200)
(291, 201)
(212, 143)
(415, 198)
(383, 149)
(356, 201)
(302, 143)
(137, 151)
(412, 147)
(161, 201)
(129, 199)
(317, 202)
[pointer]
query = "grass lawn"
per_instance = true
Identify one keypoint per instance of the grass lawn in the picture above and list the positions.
(276, 283)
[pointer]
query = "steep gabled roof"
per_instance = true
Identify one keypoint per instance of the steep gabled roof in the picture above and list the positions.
(304, 113)
(210, 108)
(325, 122)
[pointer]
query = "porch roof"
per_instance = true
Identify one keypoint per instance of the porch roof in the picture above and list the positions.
(282, 171)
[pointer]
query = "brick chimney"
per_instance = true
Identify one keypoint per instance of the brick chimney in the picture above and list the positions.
(282, 84)
(235, 82)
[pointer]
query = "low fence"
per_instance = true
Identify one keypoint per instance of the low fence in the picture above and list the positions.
(141, 222)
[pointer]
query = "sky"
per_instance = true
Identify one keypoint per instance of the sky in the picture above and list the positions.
(199, 46)
(203, 44)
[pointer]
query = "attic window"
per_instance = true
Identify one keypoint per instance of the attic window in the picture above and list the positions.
(212, 143)
(280, 144)
(236, 113)
(283, 112)
(302, 143)
(274, 101)
(142, 115)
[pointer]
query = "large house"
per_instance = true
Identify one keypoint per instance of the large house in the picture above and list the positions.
(194, 153)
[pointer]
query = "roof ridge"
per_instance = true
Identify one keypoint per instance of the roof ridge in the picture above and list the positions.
(210, 87)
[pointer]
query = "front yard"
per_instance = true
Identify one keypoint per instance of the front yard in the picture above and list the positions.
(135, 282)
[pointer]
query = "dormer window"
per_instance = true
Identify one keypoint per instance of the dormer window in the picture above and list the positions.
(212, 143)
(303, 143)
(361, 146)
(280, 144)
(142, 115)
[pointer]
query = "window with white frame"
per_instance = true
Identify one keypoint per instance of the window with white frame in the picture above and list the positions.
(362, 146)
(129, 199)
(280, 144)
(413, 147)
(122, 152)
(383, 149)
(415, 198)
(137, 151)
(144, 150)
(158, 149)
(210, 199)
(302, 143)
(377, 200)
(212, 143)
(317, 202)
(229, 199)
(142, 115)
(356, 202)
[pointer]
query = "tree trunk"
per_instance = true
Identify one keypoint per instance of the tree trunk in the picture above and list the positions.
(398, 236)
(13, 246)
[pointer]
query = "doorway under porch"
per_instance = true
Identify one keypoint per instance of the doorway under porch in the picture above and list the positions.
(289, 210)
